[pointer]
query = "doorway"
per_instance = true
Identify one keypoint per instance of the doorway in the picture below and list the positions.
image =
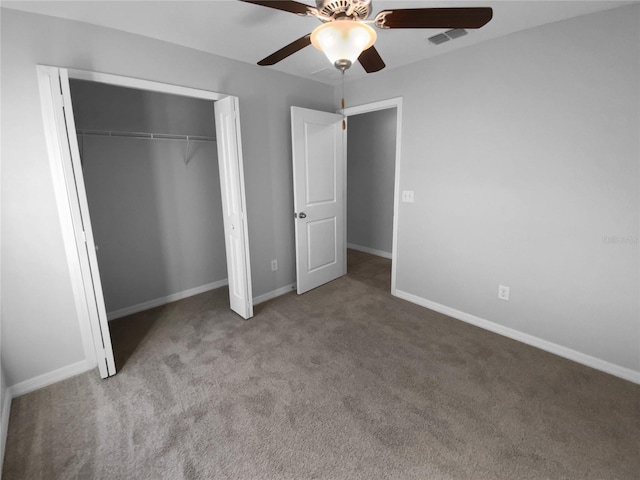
(71, 199)
(374, 134)
(320, 190)
(371, 139)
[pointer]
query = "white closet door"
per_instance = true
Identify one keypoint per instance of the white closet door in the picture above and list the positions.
(234, 206)
(82, 227)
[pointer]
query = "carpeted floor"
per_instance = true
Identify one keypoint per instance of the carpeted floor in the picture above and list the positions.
(344, 382)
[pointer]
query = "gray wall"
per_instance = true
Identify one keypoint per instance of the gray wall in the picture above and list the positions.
(99, 106)
(156, 220)
(371, 156)
(40, 328)
(523, 153)
(5, 403)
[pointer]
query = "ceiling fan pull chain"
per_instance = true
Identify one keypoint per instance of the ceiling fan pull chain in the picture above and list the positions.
(344, 123)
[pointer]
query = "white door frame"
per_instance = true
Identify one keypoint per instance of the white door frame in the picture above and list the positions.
(59, 156)
(372, 107)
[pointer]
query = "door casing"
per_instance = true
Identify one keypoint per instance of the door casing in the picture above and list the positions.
(372, 107)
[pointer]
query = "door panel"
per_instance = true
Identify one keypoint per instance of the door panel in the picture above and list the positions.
(321, 235)
(233, 206)
(89, 260)
(319, 164)
(319, 197)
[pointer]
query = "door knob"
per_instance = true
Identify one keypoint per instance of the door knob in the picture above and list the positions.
(302, 215)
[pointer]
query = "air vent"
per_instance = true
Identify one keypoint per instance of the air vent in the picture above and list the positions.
(448, 35)
(438, 39)
(456, 33)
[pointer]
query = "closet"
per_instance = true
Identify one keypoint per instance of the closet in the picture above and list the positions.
(149, 162)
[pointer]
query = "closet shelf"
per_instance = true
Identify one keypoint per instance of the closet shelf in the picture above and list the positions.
(151, 136)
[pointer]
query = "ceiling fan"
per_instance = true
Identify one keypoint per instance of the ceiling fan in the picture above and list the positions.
(345, 35)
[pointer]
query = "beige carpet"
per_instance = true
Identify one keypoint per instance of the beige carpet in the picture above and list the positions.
(344, 382)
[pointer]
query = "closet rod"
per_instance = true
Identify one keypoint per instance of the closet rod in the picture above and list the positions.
(152, 136)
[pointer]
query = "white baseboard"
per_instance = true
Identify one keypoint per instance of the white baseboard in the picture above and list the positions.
(156, 302)
(588, 360)
(273, 294)
(6, 410)
(372, 251)
(50, 378)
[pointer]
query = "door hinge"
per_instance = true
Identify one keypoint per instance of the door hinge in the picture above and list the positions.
(84, 237)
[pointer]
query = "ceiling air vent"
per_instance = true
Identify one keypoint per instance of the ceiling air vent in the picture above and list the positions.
(446, 36)
(456, 33)
(438, 39)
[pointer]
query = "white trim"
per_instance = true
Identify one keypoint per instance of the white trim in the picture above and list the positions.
(372, 107)
(274, 293)
(6, 410)
(50, 378)
(156, 302)
(370, 251)
(584, 359)
(140, 84)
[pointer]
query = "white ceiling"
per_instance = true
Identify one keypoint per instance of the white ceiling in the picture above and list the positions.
(249, 33)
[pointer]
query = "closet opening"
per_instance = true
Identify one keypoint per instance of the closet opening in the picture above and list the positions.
(63, 152)
(150, 167)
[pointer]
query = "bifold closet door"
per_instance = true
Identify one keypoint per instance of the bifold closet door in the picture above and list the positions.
(233, 205)
(83, 261)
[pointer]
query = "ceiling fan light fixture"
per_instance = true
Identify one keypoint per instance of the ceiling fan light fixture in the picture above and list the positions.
(342, 41)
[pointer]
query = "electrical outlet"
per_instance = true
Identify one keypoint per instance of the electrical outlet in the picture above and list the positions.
(503, 293)
(407, 196)
(274, 265)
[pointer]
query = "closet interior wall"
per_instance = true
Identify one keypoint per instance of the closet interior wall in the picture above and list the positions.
(150, 167)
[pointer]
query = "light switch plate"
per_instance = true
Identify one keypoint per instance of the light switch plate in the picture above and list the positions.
(407, 196)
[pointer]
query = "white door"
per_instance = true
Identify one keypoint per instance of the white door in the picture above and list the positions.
(319, 173)
(236, 238)
(84, 234)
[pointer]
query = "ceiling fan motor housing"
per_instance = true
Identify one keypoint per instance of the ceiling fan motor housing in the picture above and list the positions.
(360, 9)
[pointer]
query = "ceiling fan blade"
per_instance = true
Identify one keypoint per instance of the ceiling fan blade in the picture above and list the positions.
(284, 52)
(474, 17)
(284, 5)
(371, 60)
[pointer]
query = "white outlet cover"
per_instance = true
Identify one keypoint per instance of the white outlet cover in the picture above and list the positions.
(407, 196)
(503, 292)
